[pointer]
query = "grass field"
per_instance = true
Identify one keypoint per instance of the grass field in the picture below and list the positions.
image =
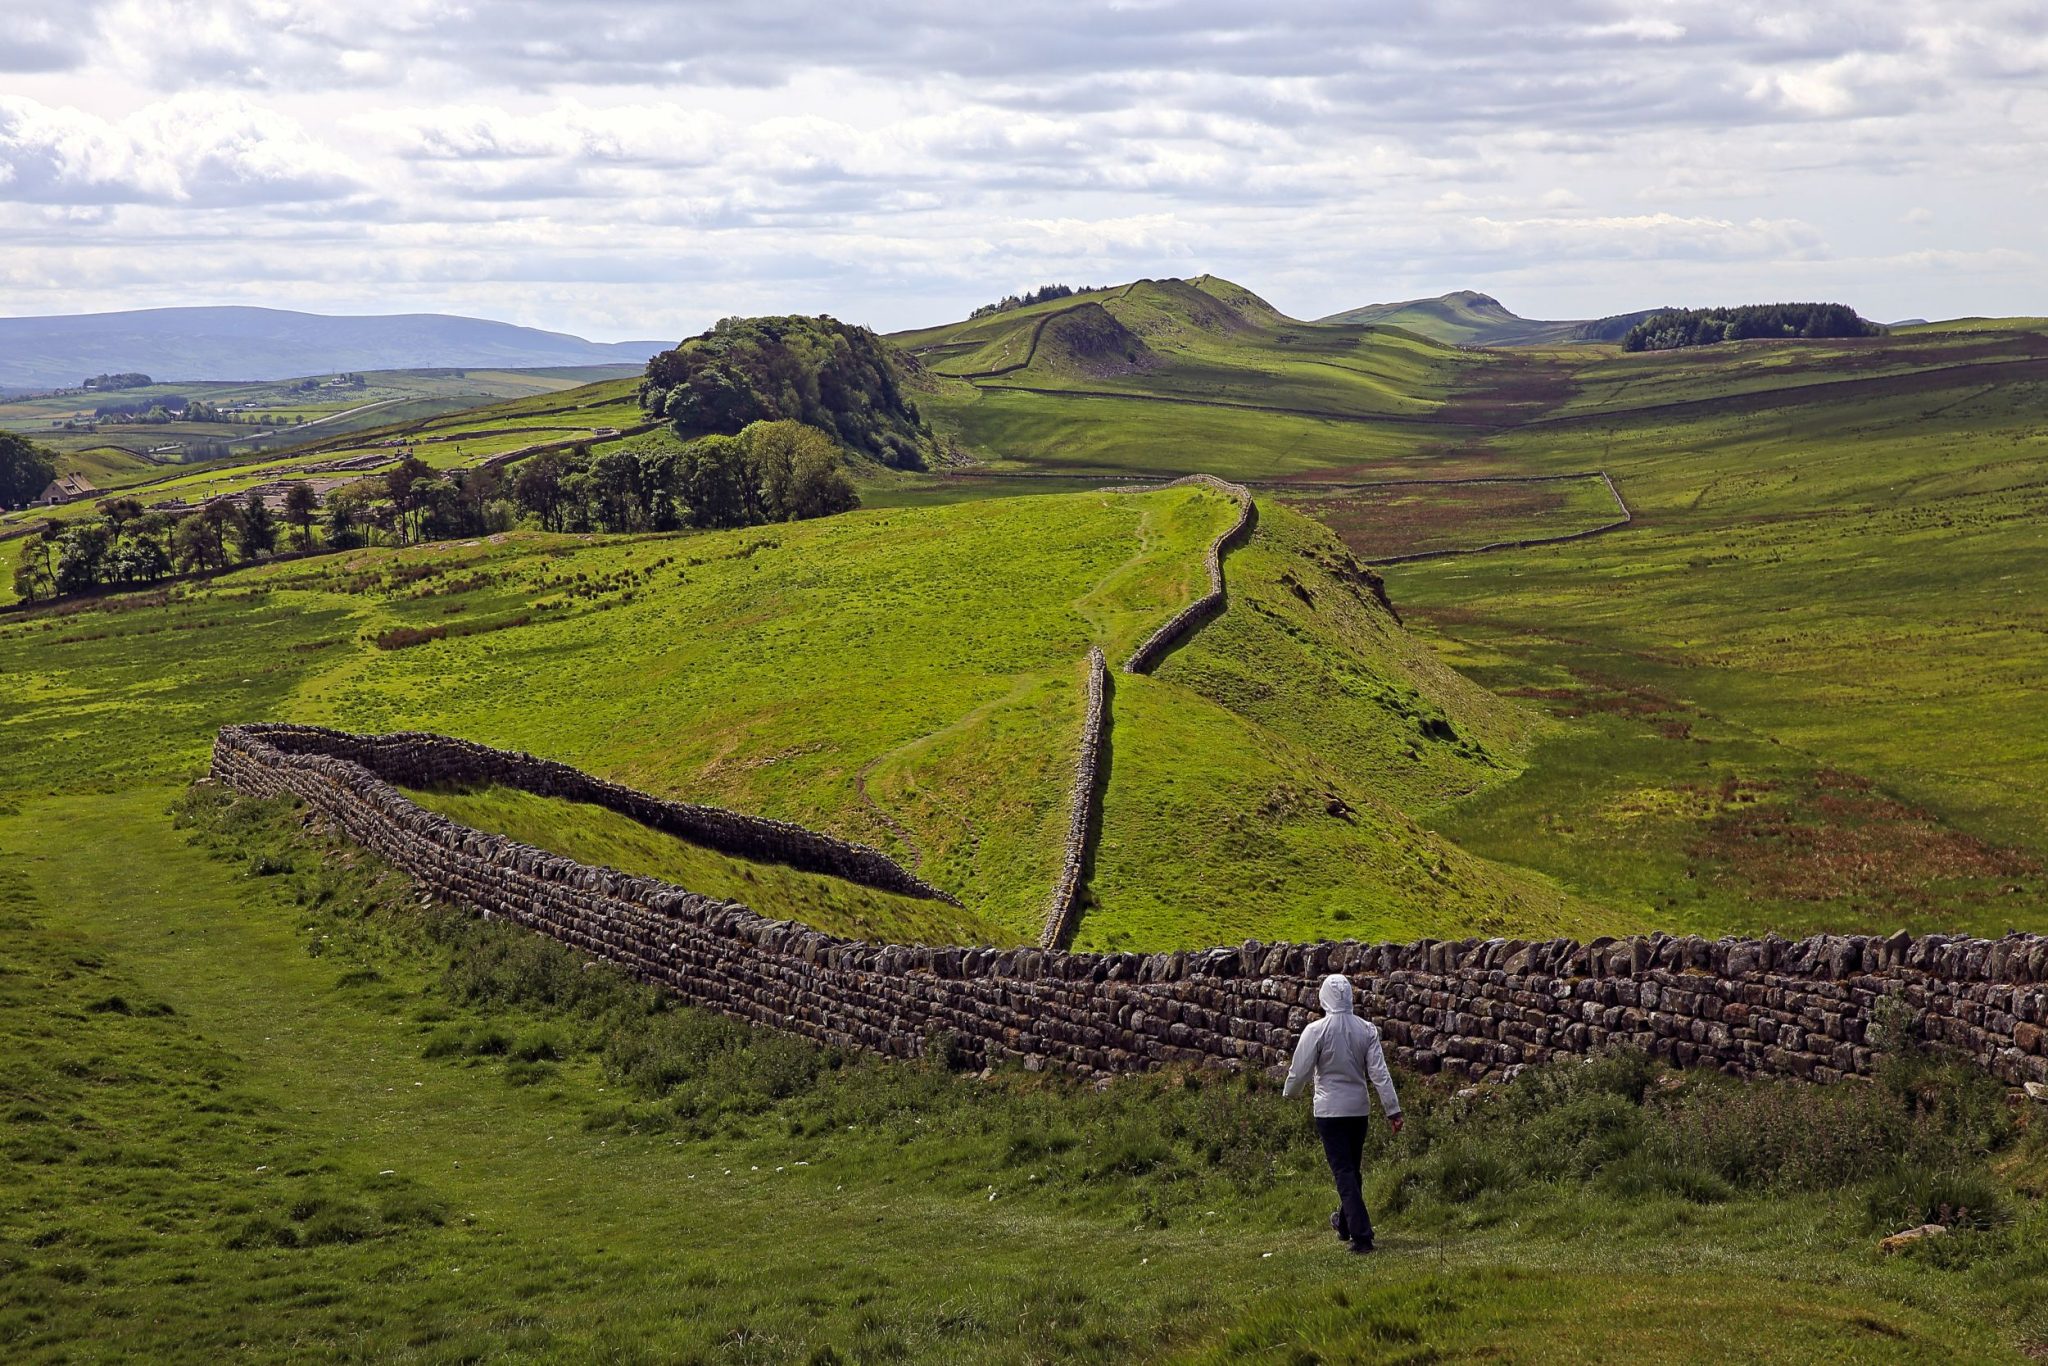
(391, 1133)
(908, 677)
(1802, 687)
(261, 1100)
(594, 835)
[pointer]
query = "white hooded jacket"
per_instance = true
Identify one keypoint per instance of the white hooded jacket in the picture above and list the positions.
(1344, 1053)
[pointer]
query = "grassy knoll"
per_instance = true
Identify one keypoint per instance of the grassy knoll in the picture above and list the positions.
(1258, 783)
(594, 835)
(393, 1132)
(1174, 376)
(907, 677)
(1802, 690)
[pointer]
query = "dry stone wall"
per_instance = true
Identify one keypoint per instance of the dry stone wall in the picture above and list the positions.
(1063, 909)
(419, 760)
(1467, 1009)
(1198, 613)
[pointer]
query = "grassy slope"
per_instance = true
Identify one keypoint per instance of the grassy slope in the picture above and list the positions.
(1258, 784)
(767, 670)
(1836, 578)
(593, 835)
(288, 1159)
(909, 678)
(1832, 582)
(1249, 388)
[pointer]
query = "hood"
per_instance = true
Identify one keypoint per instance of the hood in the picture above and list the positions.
(1336, 994)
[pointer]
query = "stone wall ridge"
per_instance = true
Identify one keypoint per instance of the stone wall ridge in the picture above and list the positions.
(1465, 1009)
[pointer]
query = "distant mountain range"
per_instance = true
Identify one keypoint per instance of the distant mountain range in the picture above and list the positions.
(231, 343)
(1467, 318)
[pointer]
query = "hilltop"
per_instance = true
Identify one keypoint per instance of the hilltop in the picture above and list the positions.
(1171, 376)
(1467, 318)
(239, 343)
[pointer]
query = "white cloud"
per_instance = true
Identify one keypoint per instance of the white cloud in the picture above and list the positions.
(197, 149)
(900, 160)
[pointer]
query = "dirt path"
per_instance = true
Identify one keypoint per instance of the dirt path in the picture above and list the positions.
(896, 827)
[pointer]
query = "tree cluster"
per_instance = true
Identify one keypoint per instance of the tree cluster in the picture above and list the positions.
(818, 371)
(1680, 327)
(157, 408)
(26, 469)
(1043, 294)
(770, 472)
(126, 546)
(126, 380)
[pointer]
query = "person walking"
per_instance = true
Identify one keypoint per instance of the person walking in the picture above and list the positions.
(1343, 1053)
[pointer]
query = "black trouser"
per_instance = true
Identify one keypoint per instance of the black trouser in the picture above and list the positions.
(1343, 1143)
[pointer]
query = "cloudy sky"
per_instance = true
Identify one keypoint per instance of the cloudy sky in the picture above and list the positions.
(634, 169)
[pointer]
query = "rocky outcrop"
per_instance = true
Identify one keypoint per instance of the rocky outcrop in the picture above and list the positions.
(1467, 1009)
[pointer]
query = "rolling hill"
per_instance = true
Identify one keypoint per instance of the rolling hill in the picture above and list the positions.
(237, 343)
(909, 678)
(1467, 318)
(1796, 692)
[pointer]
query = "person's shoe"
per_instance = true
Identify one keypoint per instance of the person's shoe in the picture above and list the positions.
(1361, 1246)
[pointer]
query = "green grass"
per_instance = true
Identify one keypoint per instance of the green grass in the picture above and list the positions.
(1831, 597)
(593, 835)
(910, 678)
(398, 1133)
(1838, 585)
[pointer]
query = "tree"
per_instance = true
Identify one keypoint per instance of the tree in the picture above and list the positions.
(537, 488)
(141, 559)
(300, 503)
(82, 557)
(255, 529)
(343, 530)
(616, 502)
(26, 470)
(196, 542)
(797, 470)
(32, 581)
(408, 499)
(119, 512)
(714, 483)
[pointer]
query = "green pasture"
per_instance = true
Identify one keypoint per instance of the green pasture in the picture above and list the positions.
(261, 1100)
(596, 836)
(262, 1103)
(1802, 691)
(908, 677)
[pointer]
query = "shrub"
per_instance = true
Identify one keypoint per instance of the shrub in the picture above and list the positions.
(1915, 1194)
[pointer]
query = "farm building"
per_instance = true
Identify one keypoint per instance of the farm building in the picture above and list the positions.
(65, 488)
